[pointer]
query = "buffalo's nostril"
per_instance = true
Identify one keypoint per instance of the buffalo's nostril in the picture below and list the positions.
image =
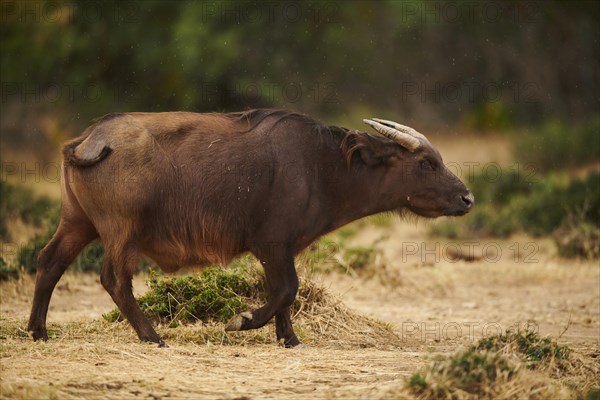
(468, 200)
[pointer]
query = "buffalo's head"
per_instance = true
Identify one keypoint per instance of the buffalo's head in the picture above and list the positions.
(415, 177)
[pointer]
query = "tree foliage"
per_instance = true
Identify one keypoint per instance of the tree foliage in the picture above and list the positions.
(481, 64)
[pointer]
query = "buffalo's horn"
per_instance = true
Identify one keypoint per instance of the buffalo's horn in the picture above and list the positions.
(401, 128)
(411, 143)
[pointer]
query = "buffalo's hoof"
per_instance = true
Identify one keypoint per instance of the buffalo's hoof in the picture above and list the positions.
(237, 323)
(39, 335)
(162, 344)
(293, 343)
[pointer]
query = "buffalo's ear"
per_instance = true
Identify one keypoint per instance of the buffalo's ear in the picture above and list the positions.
(371, 150)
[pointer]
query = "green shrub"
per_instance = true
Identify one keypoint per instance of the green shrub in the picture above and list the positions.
(6, 272)
(331, 253)
(528, 345)
(557, 146)
(213, 295)
(539, 209)
(545, 210)
(89, 260)
(500, 190)
(490, 115)
(19, 202)
(489, 368)
(358, 258)
(577, 237)
(471, 371)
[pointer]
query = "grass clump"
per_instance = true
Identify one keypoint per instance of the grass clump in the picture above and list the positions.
(533, 350)
(332, 254)
(214, 295)
(510, 365)
(196, 307)
(471, 372)
(577, 237)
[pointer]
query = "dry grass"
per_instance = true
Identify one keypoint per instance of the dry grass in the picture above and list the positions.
(348, 355)
(513, 365)
(320, 319)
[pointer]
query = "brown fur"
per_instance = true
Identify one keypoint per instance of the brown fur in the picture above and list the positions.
(192, 189)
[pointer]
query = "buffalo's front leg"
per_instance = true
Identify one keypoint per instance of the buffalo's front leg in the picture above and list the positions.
(282, 286)
(284, 328)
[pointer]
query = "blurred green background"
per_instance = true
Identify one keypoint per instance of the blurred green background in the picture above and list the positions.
(473, 65)
(525, 71)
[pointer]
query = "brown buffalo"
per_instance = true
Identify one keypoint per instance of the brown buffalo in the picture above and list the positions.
(194, 189)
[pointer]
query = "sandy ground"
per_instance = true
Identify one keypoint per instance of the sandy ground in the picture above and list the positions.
(435, 304)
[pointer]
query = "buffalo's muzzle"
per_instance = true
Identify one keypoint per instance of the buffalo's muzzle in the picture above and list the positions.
(468, 200)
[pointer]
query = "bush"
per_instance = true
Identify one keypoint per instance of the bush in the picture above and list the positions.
(558, 146)
(331, 254)
(214, 295)
(471, 371)
(577, 237)
(491, 369)
(6, 272)
(545, 210)
(534, 350)
(18, 202)
(537, 209)
(89, 260)
(489, 115)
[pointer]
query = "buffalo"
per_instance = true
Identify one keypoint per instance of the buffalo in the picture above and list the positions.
(190, 189)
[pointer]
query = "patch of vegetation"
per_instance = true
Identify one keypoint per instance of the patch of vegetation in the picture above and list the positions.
(19, 202)
(333, 254)
(534, 350)
(593, 394)
(535, 199)
(489, 115)
(492, 368)
(557, 146)
(470, 371)
(538, 208)
(90, 259)
(7, 272)
(215, 295)
(577, 237)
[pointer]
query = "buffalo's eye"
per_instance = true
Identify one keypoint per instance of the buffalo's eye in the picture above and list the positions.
(427, 165)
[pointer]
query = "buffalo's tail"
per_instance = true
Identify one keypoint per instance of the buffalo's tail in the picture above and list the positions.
(81, 154)
(92, 147)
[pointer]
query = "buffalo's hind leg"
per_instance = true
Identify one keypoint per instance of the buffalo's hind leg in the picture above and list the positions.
(68, 241)
(282, 285)
(116, 278)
